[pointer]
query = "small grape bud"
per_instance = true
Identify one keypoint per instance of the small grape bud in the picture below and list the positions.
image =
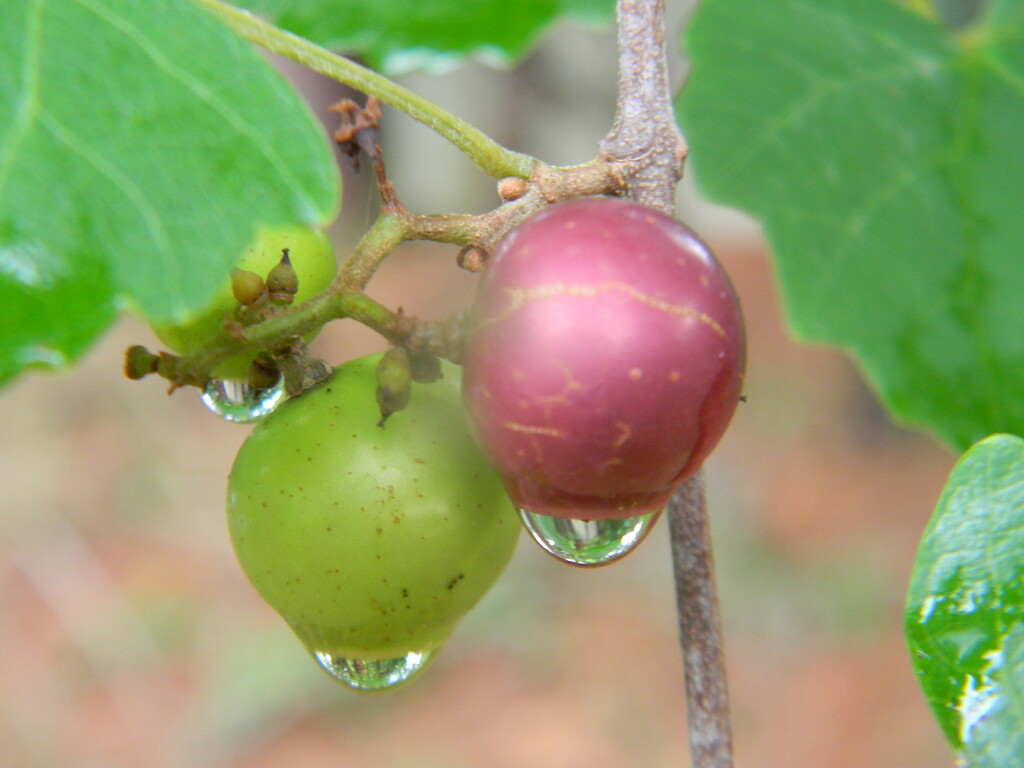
(263, 374)
(282, 282)
(512, 188)
(472, 258)
(394, 382)
(425, 367)
(139, 362)
(248, 288)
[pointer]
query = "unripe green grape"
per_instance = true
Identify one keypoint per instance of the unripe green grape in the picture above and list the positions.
(371, 543)
(312, 257)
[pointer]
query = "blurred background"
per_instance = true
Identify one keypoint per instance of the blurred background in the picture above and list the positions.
(129, 636)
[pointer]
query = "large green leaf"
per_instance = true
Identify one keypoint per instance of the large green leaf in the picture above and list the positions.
(884, 156)
(965, 609)
(398, 36)
(140, 145)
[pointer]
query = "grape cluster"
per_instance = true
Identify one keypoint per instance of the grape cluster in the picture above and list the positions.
(604, 358)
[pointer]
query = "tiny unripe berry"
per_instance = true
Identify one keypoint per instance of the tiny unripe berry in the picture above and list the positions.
(425, 367)
(139, 362)
(248, 288)
(472, 258)
(394, 382)
(316, 267)
(282, 282)
(512, 188)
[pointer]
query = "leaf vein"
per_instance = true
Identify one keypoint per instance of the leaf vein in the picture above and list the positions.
(199, 90)
(131, 191)
(26, 109)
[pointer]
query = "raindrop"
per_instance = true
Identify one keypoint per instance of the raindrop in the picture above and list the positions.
(239, 402)
(588, 542)
(373, 674)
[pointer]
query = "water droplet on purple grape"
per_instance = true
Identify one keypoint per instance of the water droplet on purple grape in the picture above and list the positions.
(373, 674)
(239, 402)
(587, 542)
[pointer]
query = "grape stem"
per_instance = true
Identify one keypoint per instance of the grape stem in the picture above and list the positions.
(645, 136)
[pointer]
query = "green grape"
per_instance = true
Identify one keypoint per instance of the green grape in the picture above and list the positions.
(312, 257)
(371, 543)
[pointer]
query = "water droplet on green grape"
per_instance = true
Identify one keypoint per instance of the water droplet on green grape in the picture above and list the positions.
(587, 542)
(239, 402)
(374, 674)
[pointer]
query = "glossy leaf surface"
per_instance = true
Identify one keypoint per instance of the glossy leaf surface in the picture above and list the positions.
(965, 610)
(140, 146)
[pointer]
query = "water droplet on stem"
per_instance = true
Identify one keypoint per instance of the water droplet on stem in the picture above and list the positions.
(374, 674)
(587, 542)
(240, 402)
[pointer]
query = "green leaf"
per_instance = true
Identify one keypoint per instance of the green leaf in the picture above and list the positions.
(883, 155)
(397, 36)
(965, 609)
(141, 143)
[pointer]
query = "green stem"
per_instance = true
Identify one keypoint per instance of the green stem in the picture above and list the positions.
(486, 153)
(327, 306)
(393, 228)
(386, 234)
(295, 321)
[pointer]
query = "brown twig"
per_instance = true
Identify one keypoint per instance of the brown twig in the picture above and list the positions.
(646, 141)
(707, 695)
(645, 137)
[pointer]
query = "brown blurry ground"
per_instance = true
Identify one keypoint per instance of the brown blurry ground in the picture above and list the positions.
(130, 638)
